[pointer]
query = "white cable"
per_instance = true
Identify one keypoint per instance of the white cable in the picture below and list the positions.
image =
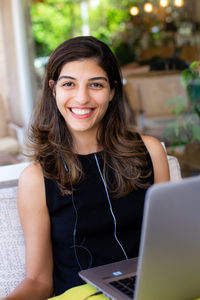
(75, 230)
(111, 210)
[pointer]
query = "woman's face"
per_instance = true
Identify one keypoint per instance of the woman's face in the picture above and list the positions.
(83, 94)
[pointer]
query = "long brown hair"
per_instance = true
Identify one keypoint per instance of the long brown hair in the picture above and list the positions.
(50, 138)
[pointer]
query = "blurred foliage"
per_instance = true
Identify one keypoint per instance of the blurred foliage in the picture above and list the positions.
(186, 128)
(54, 21)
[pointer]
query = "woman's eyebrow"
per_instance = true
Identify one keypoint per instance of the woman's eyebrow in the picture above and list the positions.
(90, 79)
(98, 78)
(66, 77)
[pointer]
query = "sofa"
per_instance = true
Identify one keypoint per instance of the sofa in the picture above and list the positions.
(12, 248)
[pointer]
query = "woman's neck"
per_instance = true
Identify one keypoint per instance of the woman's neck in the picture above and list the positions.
(86, 144)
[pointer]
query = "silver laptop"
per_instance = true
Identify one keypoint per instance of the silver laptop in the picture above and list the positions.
(168, 267)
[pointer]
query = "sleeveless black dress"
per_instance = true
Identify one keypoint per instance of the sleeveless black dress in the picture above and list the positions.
(94, 239)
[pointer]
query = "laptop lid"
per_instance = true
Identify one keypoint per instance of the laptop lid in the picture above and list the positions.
(169, 259)
(169, 264)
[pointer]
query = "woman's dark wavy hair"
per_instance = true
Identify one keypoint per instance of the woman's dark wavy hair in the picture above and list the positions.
(52, 143)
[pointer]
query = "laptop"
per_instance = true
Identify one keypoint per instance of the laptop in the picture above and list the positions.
(168, 266)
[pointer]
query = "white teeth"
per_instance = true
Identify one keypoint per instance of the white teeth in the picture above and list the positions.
(81, 111)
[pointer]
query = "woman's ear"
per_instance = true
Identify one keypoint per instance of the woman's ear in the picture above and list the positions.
(51, 83)
(52, 86)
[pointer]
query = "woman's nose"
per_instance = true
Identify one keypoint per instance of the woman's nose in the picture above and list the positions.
(82, 95)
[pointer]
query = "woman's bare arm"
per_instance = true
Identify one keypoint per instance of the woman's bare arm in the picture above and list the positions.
(33, 212)
(159, 159)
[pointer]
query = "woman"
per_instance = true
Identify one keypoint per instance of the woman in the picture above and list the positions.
(81, 201)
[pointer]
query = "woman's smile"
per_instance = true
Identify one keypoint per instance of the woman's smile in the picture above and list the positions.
(81, 113)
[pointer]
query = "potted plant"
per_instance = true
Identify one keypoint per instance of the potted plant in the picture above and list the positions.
(184, 132)
(186, 127)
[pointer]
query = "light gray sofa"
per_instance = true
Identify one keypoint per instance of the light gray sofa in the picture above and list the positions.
(12, 248)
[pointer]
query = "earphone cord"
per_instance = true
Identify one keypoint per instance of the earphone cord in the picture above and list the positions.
(75, 246)
(111, 210)
(75, 225)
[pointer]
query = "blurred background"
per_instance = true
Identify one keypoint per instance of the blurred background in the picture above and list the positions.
(156, 42)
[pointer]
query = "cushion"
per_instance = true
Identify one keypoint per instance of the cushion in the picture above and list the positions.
(9, 144)
(12, 249)
(174, 168)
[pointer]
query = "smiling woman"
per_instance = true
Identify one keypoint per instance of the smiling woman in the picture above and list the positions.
(81, 201)
(82, 94)
(74, 71)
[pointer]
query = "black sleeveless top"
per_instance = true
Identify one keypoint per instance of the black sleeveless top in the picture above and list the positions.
(94, 239)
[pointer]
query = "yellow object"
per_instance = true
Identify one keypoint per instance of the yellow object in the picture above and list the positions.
(80, 293)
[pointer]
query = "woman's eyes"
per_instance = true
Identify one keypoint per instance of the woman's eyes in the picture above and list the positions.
(95, 85)
(68, 84)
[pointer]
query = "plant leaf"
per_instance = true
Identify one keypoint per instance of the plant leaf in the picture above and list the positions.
(196, 132)
(193, 91)
(179, 109)
(195, 64)
(177, 100)
(186, 77)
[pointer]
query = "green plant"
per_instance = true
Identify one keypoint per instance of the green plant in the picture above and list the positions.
(54, 21)
(186, 127)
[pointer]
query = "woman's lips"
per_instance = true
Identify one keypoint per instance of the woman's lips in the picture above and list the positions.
(81, 113)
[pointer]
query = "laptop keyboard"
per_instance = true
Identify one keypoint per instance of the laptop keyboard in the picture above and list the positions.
(125, 285)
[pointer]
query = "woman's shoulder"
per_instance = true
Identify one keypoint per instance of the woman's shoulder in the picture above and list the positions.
(159, 158)
(152, 144)
(31, 179)
(31, 191)
(32, 173)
